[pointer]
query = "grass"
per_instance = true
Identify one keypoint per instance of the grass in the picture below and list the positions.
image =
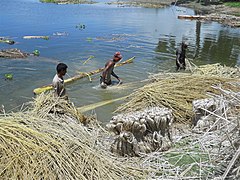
(233, 4)
(189, 158)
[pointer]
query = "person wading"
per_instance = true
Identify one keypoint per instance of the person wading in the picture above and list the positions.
(105, 79)
(180, 57)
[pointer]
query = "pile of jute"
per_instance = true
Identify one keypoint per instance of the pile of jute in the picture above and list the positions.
(177, 91)
(209, 150)
(48, 140)
(51, 139)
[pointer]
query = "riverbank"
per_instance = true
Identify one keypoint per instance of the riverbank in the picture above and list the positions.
(144, 3)
(222, 13)
(53, 135)
(68, 1)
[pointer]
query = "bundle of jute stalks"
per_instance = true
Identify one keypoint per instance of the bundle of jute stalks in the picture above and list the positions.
(176, 92)
(141, 132)
(217, 70)
(13, 53)
(209, 152)
(220, 130)
(52, 143)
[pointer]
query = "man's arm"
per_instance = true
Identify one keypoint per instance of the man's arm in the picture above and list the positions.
(107, 67)
(56, 88)
(178, 57)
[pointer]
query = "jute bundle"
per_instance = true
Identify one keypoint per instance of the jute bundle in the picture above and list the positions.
(211, 153)
(176, 92)
(55, 145)
(13, 53)
(217, 70)
(141, 132)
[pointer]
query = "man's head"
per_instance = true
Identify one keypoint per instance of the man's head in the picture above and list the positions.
(61, 69)
(117, 56)
(184, 45)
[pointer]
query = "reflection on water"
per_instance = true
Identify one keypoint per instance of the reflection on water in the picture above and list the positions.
(152, 35)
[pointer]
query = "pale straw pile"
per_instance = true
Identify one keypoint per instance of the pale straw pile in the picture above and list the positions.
(49, 142)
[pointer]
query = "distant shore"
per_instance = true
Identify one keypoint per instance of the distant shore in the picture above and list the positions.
(220, 13)
(68, 1)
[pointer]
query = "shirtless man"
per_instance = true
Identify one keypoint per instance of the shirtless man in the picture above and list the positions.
(58, 81)
(108, 71)
(180, 57)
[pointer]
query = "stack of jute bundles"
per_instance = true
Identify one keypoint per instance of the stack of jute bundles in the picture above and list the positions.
(48, 141)
(141, 131)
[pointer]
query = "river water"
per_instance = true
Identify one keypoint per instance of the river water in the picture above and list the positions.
(151, 35)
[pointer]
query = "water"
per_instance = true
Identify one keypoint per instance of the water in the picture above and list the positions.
(151, 35)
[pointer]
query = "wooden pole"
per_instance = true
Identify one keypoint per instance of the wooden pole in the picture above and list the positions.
(99, 104)
(79, 76)
(191, 17)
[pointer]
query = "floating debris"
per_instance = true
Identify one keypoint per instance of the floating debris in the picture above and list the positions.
(89, 39)
(8, 41)
(13, 53)
(81, 26)
(36, 37)
(60, 34)
(8, 76)
(16, 53)
(36, 52)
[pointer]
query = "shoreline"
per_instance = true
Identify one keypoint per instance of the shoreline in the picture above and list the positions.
(68, 1)
(221, 13)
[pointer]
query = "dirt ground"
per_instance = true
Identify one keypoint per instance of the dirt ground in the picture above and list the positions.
(223, 14)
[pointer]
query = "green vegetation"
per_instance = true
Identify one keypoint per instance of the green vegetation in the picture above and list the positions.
(36, 52)
(233, 4)
(189, 157)
(8, 76)
(89, 39)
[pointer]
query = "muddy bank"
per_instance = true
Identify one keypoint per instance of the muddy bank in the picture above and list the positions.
(220, 13)
(68, 1)
(144, 3)
(223, 14)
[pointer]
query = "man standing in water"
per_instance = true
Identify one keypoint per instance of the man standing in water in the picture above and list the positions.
(58, 82)
(180, 57)
(108, 71)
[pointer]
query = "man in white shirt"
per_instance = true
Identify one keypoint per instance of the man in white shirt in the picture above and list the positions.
(58, 81)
